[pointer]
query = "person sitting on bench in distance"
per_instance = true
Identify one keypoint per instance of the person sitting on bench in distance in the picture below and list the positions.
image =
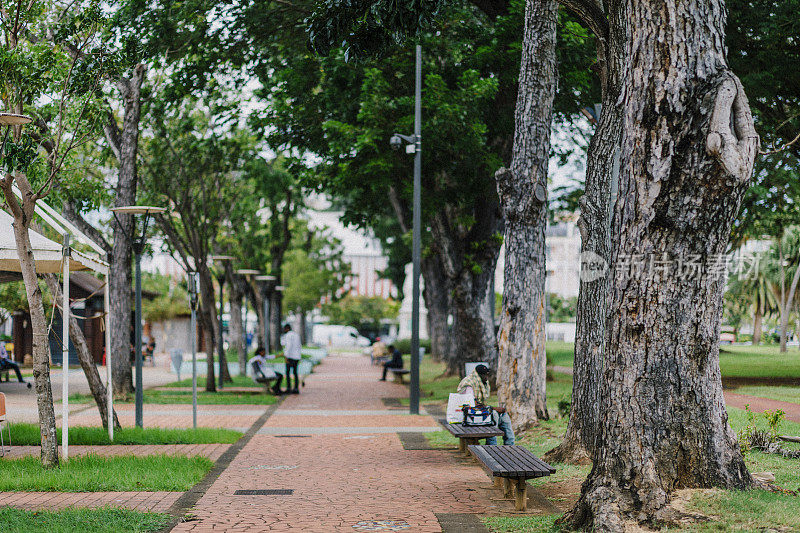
(263, 373)
(477, 383)
(7, 364)
(395, 362)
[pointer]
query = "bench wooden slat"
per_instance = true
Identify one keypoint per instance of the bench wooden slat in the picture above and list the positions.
(512, 461)
(488, 462)
(471, 432)
(530, 461)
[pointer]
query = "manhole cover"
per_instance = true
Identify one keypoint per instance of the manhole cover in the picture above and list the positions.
(273, 467)
(360, 437)
(264, 492)
(381, 525)
(292, 436)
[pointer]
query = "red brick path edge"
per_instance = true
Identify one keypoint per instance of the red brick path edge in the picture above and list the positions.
(759, 405)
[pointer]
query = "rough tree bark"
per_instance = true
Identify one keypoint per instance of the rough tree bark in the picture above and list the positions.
(787, 300)
(757, 323)
(436, 294)
(595, 228)
(124, 143)
(686, 157)
(96, 386)
(23, 212)
(235, 298)
(522, 189)
(469, 256)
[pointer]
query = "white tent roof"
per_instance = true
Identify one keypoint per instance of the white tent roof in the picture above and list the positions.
(46, 253)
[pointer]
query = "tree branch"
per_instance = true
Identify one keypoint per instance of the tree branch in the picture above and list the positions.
(591, 15)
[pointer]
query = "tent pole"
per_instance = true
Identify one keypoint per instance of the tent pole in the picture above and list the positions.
(109, 385)
(65, 353)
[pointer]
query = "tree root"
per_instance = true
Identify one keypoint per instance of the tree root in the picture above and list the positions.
(568, 452)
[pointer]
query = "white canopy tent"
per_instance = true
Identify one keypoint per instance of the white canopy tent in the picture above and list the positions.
(51, 257)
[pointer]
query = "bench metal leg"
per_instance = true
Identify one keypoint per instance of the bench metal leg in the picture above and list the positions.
(522, 495)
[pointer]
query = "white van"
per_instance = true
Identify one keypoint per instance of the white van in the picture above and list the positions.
(338, 336)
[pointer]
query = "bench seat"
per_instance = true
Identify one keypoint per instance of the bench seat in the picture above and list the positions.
(399, 373)
(470, 434)
(512, 463)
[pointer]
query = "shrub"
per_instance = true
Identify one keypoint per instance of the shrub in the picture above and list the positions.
(404, 345)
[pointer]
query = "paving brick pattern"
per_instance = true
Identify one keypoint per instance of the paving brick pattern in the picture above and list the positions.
(344, 478)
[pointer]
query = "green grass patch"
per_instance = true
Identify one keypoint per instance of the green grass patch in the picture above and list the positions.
(754, 510)
(162, 397)
(28, 434)
(107, 520)
(238, 381)
(93, 473)
(783, 394)
(521, 524)
(734, 361)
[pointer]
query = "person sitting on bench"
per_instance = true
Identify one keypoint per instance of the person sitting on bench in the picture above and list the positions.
(7, 364)
(477, 384)
(395, 362)
(263, 373)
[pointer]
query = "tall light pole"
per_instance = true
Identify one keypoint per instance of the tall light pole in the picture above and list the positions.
(414, 146)
(221, 282)
(266, 281)
(137, 243)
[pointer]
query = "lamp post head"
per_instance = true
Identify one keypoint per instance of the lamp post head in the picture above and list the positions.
(221, 258)
(280, 288)
(265, 278)
(138, 210)
(11, 119)
(248, 272)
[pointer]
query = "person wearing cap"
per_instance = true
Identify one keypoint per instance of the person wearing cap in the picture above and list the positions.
(477, 384)
(291, 350)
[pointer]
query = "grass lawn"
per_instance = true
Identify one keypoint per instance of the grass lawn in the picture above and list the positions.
(28, 434)
(238, 381)
(184, 397)
(106, 520)
(94, 473)
(734, 361)
(784, 394)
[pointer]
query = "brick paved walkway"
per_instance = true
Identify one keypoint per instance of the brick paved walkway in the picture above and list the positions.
(345, 464)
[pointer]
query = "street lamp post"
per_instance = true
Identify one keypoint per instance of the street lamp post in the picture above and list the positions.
(138, 247)
(414, 146)
(221, 282)
(265, 291)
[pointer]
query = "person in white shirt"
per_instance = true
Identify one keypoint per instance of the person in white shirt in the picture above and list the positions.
(263, 373)
(291, 350)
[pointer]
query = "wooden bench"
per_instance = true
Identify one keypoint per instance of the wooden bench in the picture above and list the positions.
(399, 373)
(470, 434)
(511, 464)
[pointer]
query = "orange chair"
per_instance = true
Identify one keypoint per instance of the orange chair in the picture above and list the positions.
(4, 422)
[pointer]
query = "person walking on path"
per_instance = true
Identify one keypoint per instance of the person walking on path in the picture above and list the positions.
(477, 384)
(7, 364)
(395, 362)
(291, 351)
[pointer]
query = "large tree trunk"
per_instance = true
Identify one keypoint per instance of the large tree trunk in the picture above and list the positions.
(757, 324)
(522, 189)
(595, 228)
(207, 318)
(786, 307)
(686, 157)
(23, 216)
(96, 386)
(436, 294)
(235, 298)
(469, 255)
(124, 144)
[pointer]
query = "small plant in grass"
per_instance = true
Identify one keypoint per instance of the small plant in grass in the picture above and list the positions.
(774, 420)
(565, 406)
(744, 435)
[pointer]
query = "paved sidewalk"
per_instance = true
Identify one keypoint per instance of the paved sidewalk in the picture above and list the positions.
(335, 447)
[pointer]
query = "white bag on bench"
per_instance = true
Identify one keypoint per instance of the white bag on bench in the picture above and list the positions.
(454, 403)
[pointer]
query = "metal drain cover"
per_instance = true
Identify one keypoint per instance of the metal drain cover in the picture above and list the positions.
(265, 492)
(292, 436)
(274, 467)
(381, 525)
